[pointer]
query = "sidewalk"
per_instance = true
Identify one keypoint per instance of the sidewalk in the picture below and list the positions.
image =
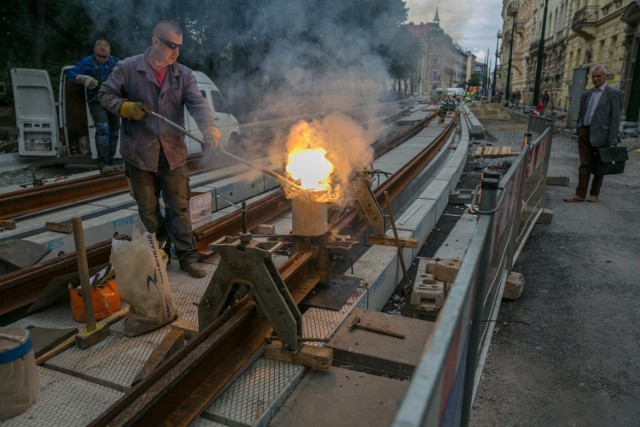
(567, 352)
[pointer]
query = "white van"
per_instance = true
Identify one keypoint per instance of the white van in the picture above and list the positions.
(66, 130)
(455, 91)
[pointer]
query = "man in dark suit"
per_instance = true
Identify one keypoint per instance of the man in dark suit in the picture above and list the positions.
(598, 123)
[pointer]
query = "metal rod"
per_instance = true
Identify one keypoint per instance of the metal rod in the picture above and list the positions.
(280, 178)
(83, 272)
(395, 235)
(244, 217)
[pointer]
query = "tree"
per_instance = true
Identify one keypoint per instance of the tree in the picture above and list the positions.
(312, 51)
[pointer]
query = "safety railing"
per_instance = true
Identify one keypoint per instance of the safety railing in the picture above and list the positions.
(443, 386)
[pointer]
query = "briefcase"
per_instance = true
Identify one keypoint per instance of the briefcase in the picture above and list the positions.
(609, 161)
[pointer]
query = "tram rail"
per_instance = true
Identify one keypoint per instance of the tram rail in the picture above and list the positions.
(21, 288)
(180, 389)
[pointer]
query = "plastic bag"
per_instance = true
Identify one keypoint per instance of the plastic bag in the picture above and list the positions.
(142, 281)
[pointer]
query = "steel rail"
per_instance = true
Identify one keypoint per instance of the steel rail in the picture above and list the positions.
(181, 389)
(50, 196)
(43, 198)
(54, 195)
(21, 288)
(399, 180)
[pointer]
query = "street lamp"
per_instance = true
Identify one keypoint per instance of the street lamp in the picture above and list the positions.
(512, 11)
(495, 67)
(536, 90)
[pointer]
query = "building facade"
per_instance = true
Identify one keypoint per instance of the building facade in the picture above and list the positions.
(573, 35)
(442, 63)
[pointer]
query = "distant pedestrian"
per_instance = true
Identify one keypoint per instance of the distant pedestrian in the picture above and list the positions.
(545, 99)
(92, 71)
(598, 122)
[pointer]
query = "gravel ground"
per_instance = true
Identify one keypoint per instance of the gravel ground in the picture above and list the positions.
(566, 352)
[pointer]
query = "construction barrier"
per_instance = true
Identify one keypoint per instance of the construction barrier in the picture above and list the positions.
(444, 384)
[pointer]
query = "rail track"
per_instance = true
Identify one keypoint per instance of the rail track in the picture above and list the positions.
(189, 381)
(21, 288)
(185, 384)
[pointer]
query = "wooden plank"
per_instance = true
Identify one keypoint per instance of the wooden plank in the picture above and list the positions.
(405, 242)
(58, 227)
(493, 152)
(44, 339)
(188, 328)
(311, 356)
(7, 224)
(72, 340)
(171, 343)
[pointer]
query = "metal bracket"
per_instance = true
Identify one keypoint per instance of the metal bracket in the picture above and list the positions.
(373, 212)
(368, 203)
(245, 263)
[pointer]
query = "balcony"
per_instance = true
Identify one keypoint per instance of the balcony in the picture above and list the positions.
(584, 22)
(533, 47)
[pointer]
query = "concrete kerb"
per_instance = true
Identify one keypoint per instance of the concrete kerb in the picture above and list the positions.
(379, 266)
(475, 128)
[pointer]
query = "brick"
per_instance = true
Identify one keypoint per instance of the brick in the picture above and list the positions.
(428, 296)
(447, 269)
(426, 265)
(545, 217)
(514, 286)
(561, 181)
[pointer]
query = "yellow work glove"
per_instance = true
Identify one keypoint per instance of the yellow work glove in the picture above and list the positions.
(133, 110)
(212, 137)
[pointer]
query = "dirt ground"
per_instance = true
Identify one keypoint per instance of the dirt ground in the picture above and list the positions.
(567, 353)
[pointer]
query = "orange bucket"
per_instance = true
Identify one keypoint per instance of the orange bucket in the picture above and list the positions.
(106, 301)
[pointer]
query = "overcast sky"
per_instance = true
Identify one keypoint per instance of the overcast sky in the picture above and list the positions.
(472, 24)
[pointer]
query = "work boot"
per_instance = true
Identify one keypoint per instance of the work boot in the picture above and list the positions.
(574, 198)
(192, 268)
(104, 170)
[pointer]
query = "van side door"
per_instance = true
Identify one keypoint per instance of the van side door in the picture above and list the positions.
(36, 115)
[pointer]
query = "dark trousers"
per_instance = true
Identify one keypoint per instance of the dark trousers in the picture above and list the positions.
(107, 130)
(176, 224)
(586, 152)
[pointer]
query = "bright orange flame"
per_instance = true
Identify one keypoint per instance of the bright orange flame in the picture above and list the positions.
(311, 167)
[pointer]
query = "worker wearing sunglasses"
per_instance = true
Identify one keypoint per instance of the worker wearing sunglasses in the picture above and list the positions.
(155, 153)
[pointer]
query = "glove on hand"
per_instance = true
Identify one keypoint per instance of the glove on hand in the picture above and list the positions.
(87, 81)
(133, 110)
(212, 137)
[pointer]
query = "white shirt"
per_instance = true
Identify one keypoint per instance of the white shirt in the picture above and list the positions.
(593, 102)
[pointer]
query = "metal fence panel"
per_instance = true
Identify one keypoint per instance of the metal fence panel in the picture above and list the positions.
(443, 386)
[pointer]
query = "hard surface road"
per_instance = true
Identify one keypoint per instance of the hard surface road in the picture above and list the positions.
(567, 353)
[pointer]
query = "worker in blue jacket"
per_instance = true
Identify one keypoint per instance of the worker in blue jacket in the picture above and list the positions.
(92, 71)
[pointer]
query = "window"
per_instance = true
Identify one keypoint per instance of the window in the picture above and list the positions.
(219, 104)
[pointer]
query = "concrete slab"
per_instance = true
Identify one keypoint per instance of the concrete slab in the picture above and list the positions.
(458, 239)
(376, 352)
(328, 399)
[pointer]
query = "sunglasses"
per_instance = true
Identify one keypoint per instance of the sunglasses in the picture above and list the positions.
(170, 45)
(102, 56)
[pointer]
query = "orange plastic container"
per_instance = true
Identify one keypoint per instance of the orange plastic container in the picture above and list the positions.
(106, 301)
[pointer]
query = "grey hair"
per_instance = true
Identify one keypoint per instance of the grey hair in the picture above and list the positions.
(601, 67)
